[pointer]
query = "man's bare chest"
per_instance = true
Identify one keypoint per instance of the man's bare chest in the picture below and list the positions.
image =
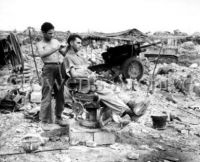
(49, 46)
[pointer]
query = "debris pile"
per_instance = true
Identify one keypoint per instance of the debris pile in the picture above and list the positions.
(169, 124)
(188, 48)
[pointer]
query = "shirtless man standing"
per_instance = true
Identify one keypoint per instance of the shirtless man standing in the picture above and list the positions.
(50, 51)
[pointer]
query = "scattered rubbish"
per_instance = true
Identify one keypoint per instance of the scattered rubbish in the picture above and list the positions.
(184, 84)
(32, 113)
(31, 142)
(171, 78)
(12, 101)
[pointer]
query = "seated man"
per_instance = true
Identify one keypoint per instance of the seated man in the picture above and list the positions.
(77, 67)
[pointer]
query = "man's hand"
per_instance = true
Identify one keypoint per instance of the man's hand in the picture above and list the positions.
(62, 46)
(62, 49)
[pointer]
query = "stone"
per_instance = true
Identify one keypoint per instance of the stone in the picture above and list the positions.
(184, 132)
(156, 135)
(192, 132)
(19, 130)
(103, 138)
(115, 146)
(171, 98)
(159, 147)
(145, 147)
(74, 142)
(80, 137)
(178, 127)
(171, 158)
(133, 156)
(80, 134)
(90, 144)
(44, 140)
(196, 90)
(194, 65)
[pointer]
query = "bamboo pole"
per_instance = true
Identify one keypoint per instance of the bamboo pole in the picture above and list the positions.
(29, 31)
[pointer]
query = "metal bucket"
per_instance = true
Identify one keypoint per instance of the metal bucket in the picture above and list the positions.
(159, 121)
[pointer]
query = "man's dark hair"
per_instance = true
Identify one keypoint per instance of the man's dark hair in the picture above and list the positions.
(73, 37)
(46, 27)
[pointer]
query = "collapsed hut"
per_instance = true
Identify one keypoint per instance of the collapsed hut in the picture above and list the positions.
(10, 51)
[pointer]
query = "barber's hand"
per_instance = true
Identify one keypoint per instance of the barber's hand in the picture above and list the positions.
(62, 46)
(62, 49)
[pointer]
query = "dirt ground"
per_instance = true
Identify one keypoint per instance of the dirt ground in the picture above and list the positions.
(178, 142)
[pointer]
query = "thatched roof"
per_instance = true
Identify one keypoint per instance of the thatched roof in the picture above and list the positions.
(127, 35)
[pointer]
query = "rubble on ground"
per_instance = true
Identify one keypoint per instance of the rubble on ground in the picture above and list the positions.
(176, 95)
(188, 48)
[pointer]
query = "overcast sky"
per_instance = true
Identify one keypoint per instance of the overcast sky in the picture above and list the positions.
(102, 15)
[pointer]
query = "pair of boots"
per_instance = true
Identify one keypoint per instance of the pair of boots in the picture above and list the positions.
(50, 126)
